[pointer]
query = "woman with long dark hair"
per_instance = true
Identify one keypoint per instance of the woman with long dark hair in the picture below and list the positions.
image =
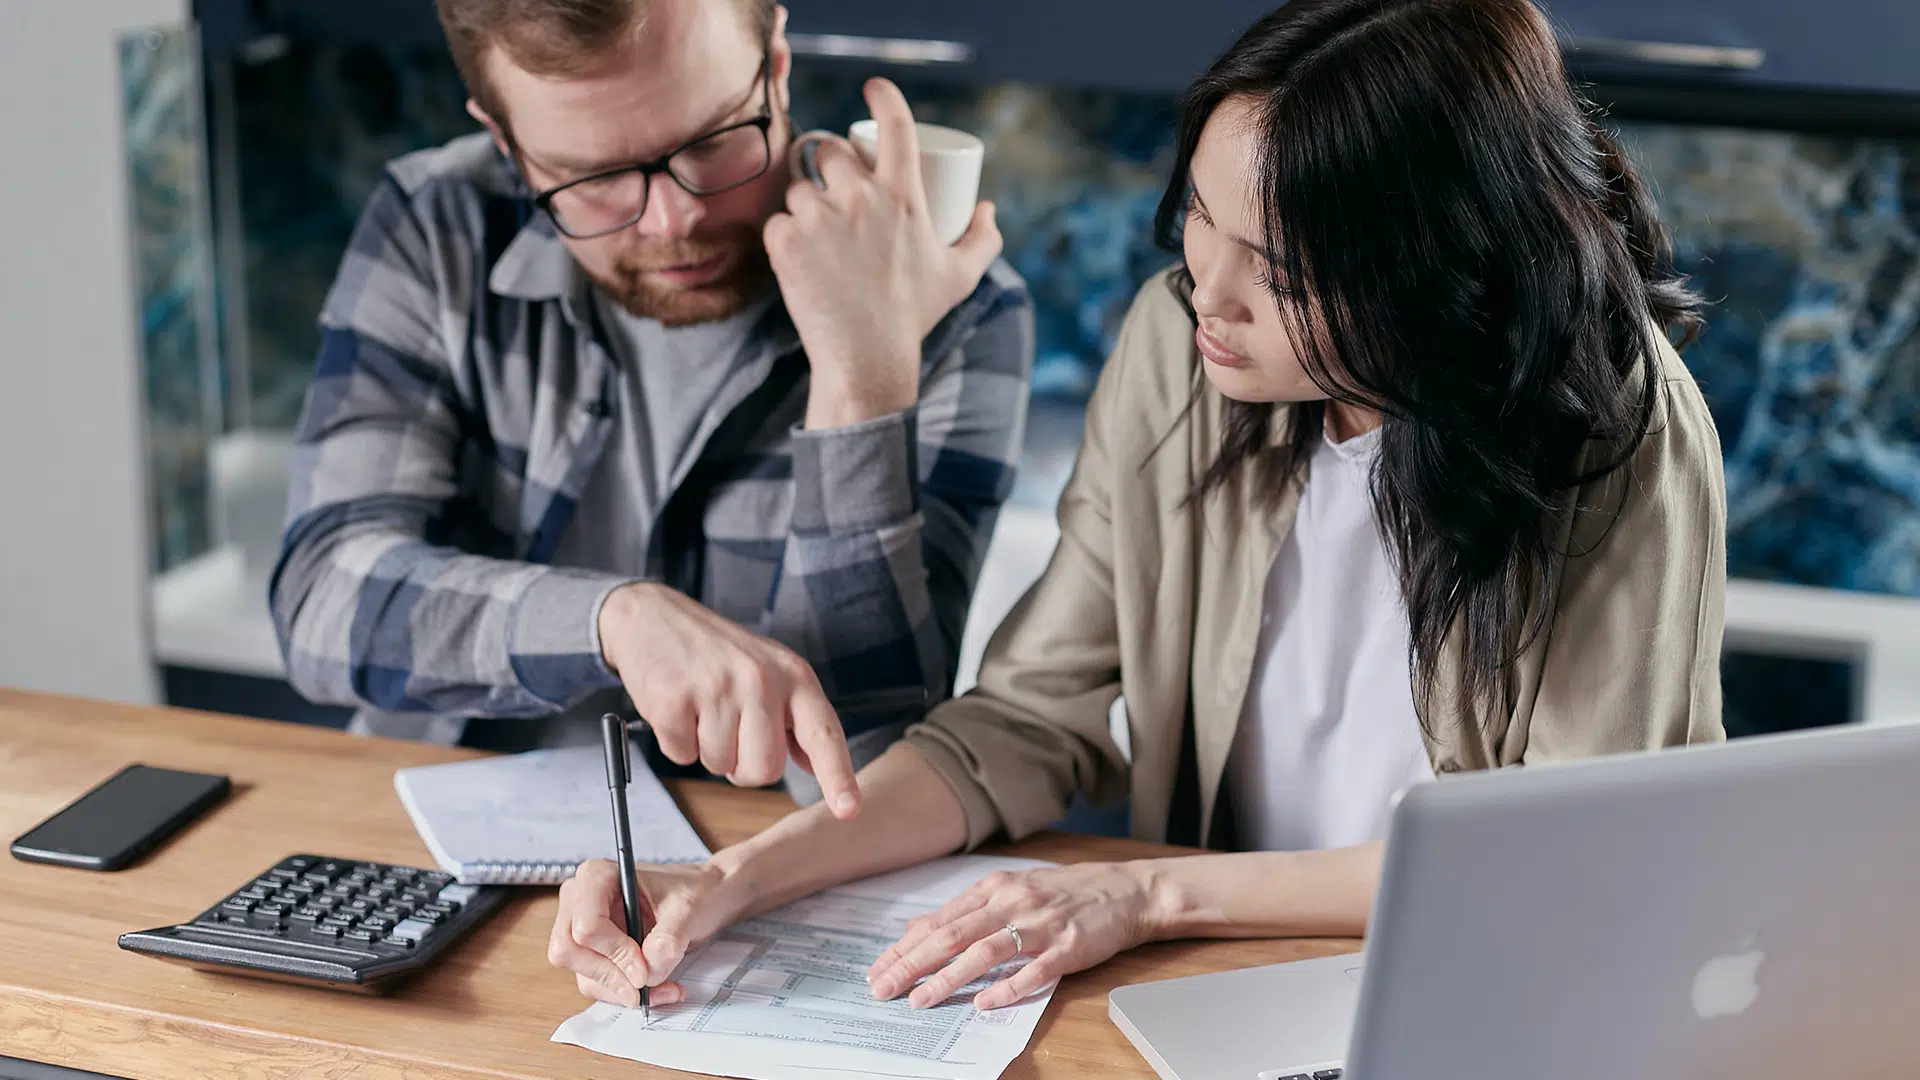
(1397, 474)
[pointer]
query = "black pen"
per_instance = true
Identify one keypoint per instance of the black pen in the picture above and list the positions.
(613, 733)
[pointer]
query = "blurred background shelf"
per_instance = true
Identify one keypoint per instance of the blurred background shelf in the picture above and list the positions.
(209, 614)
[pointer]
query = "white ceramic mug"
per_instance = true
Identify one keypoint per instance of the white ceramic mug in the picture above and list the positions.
(950, 164)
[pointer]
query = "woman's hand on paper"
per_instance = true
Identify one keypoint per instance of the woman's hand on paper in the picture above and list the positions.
(684, 905)
(1069, 919)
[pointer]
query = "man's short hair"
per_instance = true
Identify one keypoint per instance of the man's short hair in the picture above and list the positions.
(550, 37)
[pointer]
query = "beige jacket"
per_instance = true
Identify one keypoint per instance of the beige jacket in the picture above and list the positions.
(1158, 601)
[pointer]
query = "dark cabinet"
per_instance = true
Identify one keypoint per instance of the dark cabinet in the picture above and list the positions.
(1147, 45)
(1159, 45)
(1861, 45)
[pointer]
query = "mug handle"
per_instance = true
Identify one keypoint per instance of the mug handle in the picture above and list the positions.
(803, 157)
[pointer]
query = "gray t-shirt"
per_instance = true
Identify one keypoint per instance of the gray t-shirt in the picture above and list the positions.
(668, 379)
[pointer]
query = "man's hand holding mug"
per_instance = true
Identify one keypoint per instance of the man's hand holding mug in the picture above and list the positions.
(862, 264)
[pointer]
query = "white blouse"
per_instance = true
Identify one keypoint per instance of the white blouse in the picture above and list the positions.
(1328, 735)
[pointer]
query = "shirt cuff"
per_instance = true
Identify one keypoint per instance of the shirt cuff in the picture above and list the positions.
(983, 820)
(555, 646)
(860, 477)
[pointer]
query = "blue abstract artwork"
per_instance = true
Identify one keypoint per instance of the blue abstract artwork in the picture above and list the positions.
(1809, 249)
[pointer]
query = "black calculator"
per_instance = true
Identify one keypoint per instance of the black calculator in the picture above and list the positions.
(336, 923)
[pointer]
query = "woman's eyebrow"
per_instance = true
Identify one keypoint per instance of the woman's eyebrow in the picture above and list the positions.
(1258, 249)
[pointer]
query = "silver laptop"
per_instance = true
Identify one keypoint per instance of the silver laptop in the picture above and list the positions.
(1747, 911)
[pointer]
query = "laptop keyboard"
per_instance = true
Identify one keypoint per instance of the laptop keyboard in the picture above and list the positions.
(1323, 1074)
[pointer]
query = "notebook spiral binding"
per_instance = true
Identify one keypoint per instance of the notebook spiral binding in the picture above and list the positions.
(517, 873)
(524, 873)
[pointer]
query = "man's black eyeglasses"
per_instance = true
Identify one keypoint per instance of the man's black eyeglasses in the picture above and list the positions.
(607, 202)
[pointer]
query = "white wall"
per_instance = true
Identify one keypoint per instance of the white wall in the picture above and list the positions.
(74, 550)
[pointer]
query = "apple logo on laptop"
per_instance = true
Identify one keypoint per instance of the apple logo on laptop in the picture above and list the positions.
(1728, 985)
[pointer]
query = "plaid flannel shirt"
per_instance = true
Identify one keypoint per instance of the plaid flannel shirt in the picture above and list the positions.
(460, 402)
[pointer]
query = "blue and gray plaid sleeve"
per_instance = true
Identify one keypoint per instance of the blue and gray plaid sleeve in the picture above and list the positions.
(892, 517)
(372, 604)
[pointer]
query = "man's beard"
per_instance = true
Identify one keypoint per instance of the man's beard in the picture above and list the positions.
(743, 281)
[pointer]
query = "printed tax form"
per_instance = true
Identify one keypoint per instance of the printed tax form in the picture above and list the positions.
(784, 996)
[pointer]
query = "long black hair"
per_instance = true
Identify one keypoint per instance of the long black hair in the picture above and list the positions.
(1459, 245)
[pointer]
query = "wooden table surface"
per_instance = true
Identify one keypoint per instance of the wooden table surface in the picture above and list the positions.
(70, 996)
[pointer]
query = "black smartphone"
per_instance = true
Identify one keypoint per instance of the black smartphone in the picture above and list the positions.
(126, 816)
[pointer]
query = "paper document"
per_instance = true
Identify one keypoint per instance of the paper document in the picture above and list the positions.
(784, 996)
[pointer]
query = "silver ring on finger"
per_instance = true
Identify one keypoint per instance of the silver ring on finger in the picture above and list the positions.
(1019, 947)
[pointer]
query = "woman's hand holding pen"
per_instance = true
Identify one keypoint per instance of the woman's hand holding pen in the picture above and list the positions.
(685, 905)
(913, 817)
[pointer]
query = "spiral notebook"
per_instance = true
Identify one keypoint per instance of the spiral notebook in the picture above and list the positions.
(530, 819)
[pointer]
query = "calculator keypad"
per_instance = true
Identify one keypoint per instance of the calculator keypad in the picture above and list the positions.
(337, 902)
